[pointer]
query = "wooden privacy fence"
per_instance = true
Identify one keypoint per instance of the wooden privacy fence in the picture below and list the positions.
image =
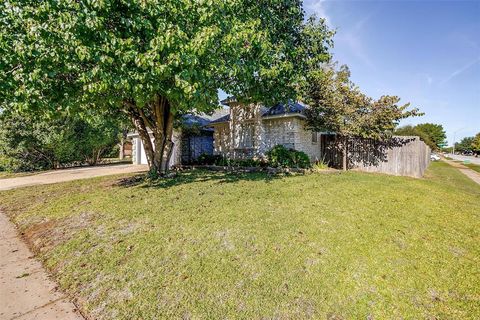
(402, 156)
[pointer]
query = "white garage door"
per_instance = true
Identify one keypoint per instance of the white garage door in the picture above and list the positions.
(143, 156)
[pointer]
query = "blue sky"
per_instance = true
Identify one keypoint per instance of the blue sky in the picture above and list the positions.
(426, 52)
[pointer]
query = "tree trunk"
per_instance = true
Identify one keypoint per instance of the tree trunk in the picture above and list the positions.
(345, 153)
(121, 153)
(156, 117)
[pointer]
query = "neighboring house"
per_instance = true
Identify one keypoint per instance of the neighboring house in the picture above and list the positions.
(194, 139)
(251, 131)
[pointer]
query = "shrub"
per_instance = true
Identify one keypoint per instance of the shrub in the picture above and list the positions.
(319, 166)
(208, 159)
(279, 156)
(239, 162)
(29, 143)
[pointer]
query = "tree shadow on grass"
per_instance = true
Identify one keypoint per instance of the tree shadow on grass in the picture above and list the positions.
(193, 176)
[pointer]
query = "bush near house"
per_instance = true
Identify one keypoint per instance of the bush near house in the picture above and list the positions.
(279, 156)
(218, 160)
(208, 159)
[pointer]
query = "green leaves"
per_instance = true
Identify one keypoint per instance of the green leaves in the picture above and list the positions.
(432, 134)
(72, 54)
(337, 105)
(476, 143)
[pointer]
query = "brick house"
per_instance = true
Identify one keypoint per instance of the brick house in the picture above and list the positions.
(250, 131)
(241, 131)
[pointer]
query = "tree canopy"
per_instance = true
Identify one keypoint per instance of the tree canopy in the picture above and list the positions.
(30, 142)
(466, 144)
(432, 134)
(152, 59)
(476, 143)
(337, 105)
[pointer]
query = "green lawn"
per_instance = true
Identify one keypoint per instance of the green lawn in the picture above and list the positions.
(7, 175)
(473, 166)
(217, 246)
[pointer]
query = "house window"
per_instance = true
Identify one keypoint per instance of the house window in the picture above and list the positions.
(314, 137)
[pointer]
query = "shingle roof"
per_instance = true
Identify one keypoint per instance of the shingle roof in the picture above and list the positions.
(191, 120)
(204, 119)
(277, 110)
(280, 109)
(224, 118)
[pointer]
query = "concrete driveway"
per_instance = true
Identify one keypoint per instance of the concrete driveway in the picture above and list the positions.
(26, 290)
(55, 176)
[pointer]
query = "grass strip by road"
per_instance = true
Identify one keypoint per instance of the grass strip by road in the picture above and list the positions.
(252, 246)
(473, 166)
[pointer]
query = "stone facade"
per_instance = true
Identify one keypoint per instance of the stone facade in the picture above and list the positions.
(248, 134)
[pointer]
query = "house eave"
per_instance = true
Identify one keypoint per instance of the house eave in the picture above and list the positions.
(286, 115)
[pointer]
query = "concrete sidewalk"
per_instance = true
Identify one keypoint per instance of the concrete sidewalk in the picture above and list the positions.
(472, 174)
(26, 292)
(55, 176)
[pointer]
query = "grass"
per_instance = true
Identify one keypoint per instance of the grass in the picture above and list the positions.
(473, 166)
(7, 174)
(216, 246)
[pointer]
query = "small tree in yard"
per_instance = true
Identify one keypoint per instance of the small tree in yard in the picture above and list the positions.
(153, 60)
(338, 106)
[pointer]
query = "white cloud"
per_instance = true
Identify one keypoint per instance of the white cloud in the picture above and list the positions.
(352, 38)
(318, 7)
(356, 47)
(460, 70)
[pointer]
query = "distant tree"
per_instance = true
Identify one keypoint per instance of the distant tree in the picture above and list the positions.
(435, 132)
(337, 105)
(410, 130)
(27, 144)
(466, 144)
(30, 143)
(432, 134)
(447, 149)
(93, 136)
(154, 60)
(476, 144)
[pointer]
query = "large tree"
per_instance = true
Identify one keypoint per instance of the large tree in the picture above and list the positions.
(151, 59)
(409, 130)
(435, 132)
(337, 105)
(432, 134)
